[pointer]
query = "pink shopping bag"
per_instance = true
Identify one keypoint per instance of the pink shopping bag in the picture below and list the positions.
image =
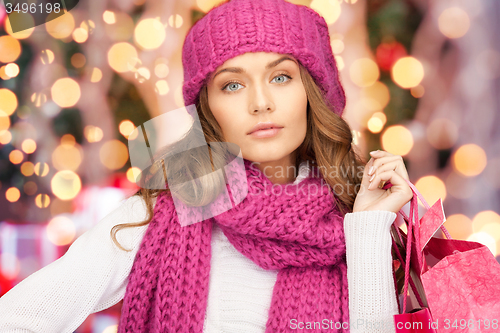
(456, 283)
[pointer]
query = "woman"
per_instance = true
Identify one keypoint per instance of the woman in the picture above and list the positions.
(279, 260)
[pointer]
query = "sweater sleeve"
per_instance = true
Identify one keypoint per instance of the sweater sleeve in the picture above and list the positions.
(372, 294)
(91, 276)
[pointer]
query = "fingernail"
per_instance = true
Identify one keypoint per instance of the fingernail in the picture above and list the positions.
(373, 152)
(372, 177)
(370, 171)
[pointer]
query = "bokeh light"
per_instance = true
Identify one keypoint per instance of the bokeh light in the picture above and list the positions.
(47, 56)
(5, 136)
(175, 21)
(330, 10)
(126, 128)
(469, 160)
(432, 188)
(66, 184)
(377, 94)
(109, 17)
(122, 29)
(206, 5)
(417, 91)
(459, 226)
(337, 46)
(8, 101)
(397, 140)
(78, 60)
(122, 57)
(484, 218)
(12, 194)
(11, 70)
(133, 173)
(111, 329)
(407, 72)
(41, 169)
(10, 49)
(113, 154)
(16, 156)
(4, 124)
(27, 168)
(485, 239)
(28, 146)
(340, 62)
(161, 70)
(93, 133)
(96, 75)
(161, 87)
(61, 230)
(65, 92)
(80, 35)
(364, 72)
(377, 122)
(67, 156)
(149, 34)
(454, 22)
(42, 201)
(60, 27)
(38, 99)
(30, 188)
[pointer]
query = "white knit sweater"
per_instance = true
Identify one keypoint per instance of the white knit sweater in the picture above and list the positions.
(93, 275)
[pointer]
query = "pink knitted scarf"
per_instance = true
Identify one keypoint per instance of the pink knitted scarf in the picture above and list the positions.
(295, 228)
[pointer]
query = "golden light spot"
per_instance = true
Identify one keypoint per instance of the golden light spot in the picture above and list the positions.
(109, 17)
(161, 70)
(27, 168)
(12, 70)
(337, 46)
(67, 157)
(432, 188)
(61, 230)
(4, 123)
(329, 9)
(111, 329)
(397, 140)
(41, 169)
(340, 62)
(377, 92)
(96, 75)
(3, 75)
(417, 91)
(161, 87)
(16, 156)
(175, 21)
(484, 218)
(469, 160)
(113, 154)
(60, 27)
(88, 26)
(126, 128)
(377, 122)
(364, 72)
(5, 136)
(442, 133)
(142, 74)
(93, 133)
(65, 92)
(122, 57)
(68, 139)
(454, 22)
(19, 17)
(30, 188)
(80, 35)
(133, 173)
(486, 240)
(149, 34)
(206, 5)
(28, 146)
(459, 226)
(78, 60)
(407, 72)
(8, 101)
(66, 184)
(11, 49)
(12, 194)
(38, 99)
(42, 201)
(47, 56)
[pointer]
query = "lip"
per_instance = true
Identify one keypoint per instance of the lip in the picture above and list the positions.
(266, 129)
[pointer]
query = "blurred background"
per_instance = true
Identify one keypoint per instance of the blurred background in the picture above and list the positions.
(422, 79)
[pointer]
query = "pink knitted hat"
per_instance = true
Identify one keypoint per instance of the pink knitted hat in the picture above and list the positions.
(241, 26)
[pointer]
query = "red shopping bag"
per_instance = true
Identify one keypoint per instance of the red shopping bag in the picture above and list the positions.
(456, 283)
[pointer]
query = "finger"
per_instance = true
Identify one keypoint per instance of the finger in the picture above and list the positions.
(397, 166)
(380, 161)
(398, 183)
(380, 153)
(365, 181)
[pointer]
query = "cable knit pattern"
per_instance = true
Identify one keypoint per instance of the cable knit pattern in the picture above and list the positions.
(241, 26)
(297, 231)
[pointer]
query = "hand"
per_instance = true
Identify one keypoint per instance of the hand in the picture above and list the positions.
(383, 166)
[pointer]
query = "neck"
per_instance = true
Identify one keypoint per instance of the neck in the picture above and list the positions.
(281, 171)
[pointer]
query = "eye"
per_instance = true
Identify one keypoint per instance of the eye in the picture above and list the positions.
(231, 85)
(283, 76)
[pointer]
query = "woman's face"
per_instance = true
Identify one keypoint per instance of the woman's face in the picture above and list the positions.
(260, 87)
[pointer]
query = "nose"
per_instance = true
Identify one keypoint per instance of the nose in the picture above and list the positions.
(261, 99)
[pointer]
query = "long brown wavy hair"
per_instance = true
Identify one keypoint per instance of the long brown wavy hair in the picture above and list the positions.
(327, 145)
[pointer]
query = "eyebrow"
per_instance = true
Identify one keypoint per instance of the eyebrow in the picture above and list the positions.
(241, 70)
